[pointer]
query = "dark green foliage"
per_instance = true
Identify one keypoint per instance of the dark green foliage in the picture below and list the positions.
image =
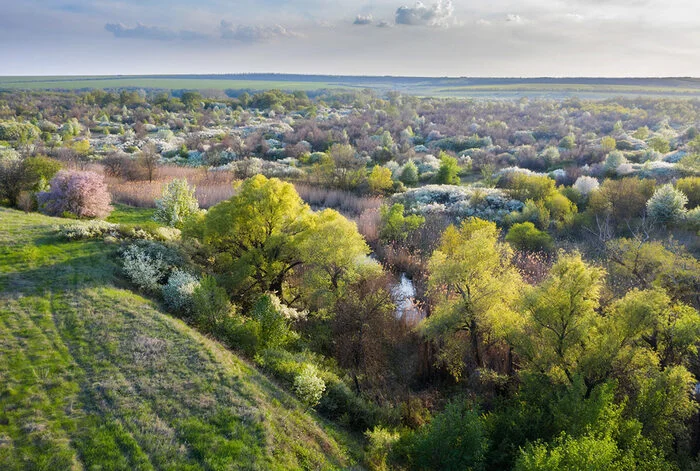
(453, 440)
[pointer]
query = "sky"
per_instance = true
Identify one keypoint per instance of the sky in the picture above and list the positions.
(513, 38)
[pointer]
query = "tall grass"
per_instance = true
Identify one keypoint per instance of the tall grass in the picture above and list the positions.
(345, 202)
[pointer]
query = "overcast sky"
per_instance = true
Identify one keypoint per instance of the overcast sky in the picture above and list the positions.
(374, 37)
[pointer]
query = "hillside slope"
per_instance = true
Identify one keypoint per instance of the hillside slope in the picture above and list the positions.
(93, 376)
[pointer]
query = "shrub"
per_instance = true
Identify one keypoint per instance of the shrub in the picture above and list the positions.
(179, 290)
(380, 442)
(667, 205)
(273, 319)
(454, 439)
(308, 386)
(448, 173)
(379, 180)
(177, 204)
(526, 237)
(395, 226)
(210, 304)
(144, 270)
(88, 230)
(409, 174)
(83, 194)
(690, 186)
(586, 185)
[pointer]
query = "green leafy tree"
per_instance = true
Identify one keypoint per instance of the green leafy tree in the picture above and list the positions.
(472, 273)
(409, 174)
(395, 226)
(690, 186)
(525, 236)
(448, 173)
(380, 180)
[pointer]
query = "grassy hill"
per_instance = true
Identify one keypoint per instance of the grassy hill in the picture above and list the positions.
(93, 376)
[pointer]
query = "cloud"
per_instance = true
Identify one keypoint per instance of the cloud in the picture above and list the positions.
(363, 20)
(254, 33)
(516, 19)
(383, 24)
(141, 31)
(438, 14)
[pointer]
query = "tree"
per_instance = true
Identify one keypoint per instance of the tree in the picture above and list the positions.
(254, 236)
(409, 174)
(148, 160)
(395, 226)
(380, 180)
(659, 144)
(448, 173)
(177, 204)
(608, 143)
(81, 194)
(472, 273)
(559, 317)
(531, 187)
(344, 169)
(667, 205)
(31, 174)
(525, 236)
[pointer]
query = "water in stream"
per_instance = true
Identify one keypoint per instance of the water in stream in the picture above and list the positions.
(403, 294)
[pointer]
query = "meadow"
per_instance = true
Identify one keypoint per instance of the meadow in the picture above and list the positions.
(96, 376)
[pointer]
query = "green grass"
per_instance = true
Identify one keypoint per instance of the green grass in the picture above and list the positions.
(96, 377)
(124, 214)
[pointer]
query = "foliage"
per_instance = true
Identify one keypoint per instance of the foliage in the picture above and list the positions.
(455, 439)
(409, 173)
(474, 271)
(667, 205)
(210, 305)
(178, 291)
(380, 442)
(309, 387)
(82, 194)
(379, 180)
(448, 173)
(177, 204)
(525, 236)
(690, 186)
(395, 226)
(525, 187)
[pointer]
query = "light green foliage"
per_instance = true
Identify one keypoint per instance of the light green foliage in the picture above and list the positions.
(273, 322)
(608, 143)
(659, 144)
(380, 442)
(559, 317)
(409, 174)
(641, 133)
(177, 204)
(667, 205)
(531, 187)
(568, 142)
(613, 161)
(395, 226)
(309, 387)
(478, 286)
(254, 236)
(380, 180)
(550, 155)
(690, 186)
(22, 133)
(448, 173)
(525, 236)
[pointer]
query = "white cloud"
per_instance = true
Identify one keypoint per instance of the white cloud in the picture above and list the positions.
(363, 20)
(141, 31)
(254, 33)
(438, 14)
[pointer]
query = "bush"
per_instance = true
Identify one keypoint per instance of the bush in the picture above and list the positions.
(690, 186)
(177, 204)
(409, 174)
(526, 237)
(308, 386)
(179, 290)
(88, 230)
(210, 304)
(448, 173)
(379, 446)
(83, 194)
(585, 185)
(454, 439)
(147, 264)
(667, 205)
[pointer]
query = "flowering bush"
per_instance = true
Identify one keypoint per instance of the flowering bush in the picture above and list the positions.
(179, 290)
(147, 264)
(177, 204)
(459, 202)
(83, 194)
(308, 386)
(252, 166)
(88, 230)
(667, 205)
(586, 185)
